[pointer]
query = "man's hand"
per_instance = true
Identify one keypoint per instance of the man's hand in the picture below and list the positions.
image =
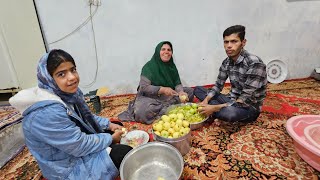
(240, 103)
(113, 127)
(239, 100)
(167, 91)
(207, 110)
(205, 101)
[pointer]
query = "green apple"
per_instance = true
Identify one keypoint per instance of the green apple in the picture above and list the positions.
(187, 107)
(185, 123)
(175, 134)
(157, 133)
(180, 116)
(173, 117)
(171, 130)
(159, 127)
(194, 105)
(164, 133)
(177, 127)
(183, 98)
(154, 126)
(181, 131)
(192, 111)
(186, 130)
(179, 122)
(166, 125)
(173, 111)
(160, 122)
(165, 118)
(187, 115)
(172, 123)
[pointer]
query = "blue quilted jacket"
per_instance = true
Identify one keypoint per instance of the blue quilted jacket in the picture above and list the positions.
(60, 148)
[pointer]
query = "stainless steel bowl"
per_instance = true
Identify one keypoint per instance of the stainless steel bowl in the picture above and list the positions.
(183, 143)
(193, 126)
(152, 161)
(197, 125)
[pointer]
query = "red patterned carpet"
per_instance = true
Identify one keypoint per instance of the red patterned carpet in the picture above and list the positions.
(260, 150)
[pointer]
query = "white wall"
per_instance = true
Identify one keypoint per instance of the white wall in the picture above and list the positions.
(7, 72)
(127, 32)
(21, 44)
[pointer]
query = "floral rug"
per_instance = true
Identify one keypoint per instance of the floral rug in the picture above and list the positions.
(260, 150)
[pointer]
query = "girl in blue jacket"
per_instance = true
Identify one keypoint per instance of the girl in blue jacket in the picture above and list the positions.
(66, 139)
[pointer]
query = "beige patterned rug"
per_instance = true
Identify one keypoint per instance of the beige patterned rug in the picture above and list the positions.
(8, 115)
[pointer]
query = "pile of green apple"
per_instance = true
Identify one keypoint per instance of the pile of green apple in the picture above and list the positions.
(190, 112)
(171, 126)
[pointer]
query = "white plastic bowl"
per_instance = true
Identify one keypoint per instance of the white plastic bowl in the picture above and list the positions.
(140, 136)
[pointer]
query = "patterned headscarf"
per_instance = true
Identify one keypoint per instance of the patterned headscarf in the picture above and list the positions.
(45, 81)
(161, 73)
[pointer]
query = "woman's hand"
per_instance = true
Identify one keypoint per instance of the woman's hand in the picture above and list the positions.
(183, 97)
(207, 110)
(116, 136)
(113, 127)
(167, 91)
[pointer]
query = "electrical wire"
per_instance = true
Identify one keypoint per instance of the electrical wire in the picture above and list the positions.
(78, 28)
(95, 49)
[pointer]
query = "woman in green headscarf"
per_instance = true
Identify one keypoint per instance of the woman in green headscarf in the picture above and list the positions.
(159, 87)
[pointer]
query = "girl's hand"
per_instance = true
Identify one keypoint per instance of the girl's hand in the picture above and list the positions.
(116, 136)
(113, 127)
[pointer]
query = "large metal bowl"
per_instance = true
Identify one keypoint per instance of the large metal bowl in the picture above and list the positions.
(152, 161)
(183, 143)
(193, 126)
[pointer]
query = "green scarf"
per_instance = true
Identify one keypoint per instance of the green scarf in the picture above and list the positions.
(161, 73)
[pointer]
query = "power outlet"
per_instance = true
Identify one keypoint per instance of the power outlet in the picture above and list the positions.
(95, 2)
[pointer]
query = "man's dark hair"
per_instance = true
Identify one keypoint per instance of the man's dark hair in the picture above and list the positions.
(236, 29)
